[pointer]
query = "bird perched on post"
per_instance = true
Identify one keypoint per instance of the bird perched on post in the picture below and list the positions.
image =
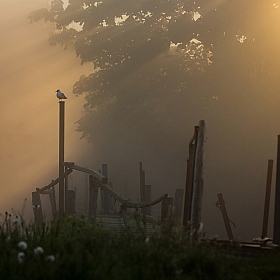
(60, 95)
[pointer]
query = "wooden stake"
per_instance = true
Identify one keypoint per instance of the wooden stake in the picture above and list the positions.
(225, 216)
(196, 201)
(166, 207)
(178, 205)
(276, 229)
(267, 198)
(93, 194)
(37, 208)
(53, 201)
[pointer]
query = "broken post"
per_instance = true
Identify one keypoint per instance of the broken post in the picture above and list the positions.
(196, 205)
(225, 216)
(93, 193)
(189, 179)
(37, 208)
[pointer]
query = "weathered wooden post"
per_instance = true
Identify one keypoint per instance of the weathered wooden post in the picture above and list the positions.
(198, 178)
(53, 201)
(37, 208)
(166, 208)
(147, 197)
(267, 198)
(93, 194)
(225, 216)
(61, 158)
(142, 185)
(70, 204)
(178, 205)
(107, 200)
(189, 179)
(276, 229)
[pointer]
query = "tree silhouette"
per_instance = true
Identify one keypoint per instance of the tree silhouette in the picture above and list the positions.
(149, 55)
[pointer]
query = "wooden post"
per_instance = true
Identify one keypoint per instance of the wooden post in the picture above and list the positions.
(225, 216)
(198, 178)
(166, 208)
(70, 203)
(147, 197)
(86, 191)
(53, 201)
(267, 198)
(61, 158)
(189, 179)
(178, 204)
(93, 193)
(105, 196)
(142, 186)
(37, 208)
(125, 216)
(276, 229)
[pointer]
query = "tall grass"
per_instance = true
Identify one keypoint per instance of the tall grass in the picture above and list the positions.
(72, 249)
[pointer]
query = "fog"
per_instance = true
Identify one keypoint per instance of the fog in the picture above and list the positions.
(242, 129)
(31, 72)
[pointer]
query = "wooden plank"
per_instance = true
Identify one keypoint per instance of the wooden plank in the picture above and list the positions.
(93, 194)
(267, 198)
(53, 183)
(128, 203)
(225, 216)
(37, 208)
(96, 174)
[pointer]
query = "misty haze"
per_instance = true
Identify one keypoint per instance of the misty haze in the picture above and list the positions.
(138, 78)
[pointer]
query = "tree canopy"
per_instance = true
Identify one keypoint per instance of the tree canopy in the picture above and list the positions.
(147, 54)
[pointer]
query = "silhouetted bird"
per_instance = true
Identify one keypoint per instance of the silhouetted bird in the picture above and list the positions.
(60, 95)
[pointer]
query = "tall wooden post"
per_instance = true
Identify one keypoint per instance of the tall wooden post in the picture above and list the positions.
(267, 198)
(276, 229)
(189, 178)
(166, 208)
(61, 158)
(178, 204)
(53, 202)
(198, 178)
(225, 216)
(37, 208)
(106, 196)
(142, 181)
(147, 197)
(93, 194)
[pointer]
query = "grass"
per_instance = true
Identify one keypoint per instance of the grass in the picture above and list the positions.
(72, 249)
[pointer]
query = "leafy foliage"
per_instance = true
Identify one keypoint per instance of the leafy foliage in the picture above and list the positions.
(146, 55)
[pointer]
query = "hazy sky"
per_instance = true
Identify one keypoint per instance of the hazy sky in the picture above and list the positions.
(31, 72)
